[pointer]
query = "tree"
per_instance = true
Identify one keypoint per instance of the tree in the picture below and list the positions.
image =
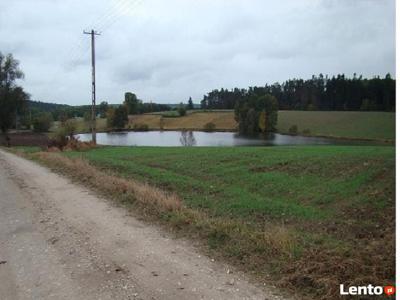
(103, 109)
(110, 117)
(181, 110)
(271, 112)
(251, 123)
(12, 97)
(119, 117)
(190, 104)
(42, 122)
(132, 103)
(87, 116)
(256, 113)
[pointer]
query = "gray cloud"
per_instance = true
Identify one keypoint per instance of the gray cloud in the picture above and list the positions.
(166, 51)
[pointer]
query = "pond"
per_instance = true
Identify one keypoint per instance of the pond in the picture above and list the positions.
(213, 139)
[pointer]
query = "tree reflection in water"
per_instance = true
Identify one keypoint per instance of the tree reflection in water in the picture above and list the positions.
(187, 139)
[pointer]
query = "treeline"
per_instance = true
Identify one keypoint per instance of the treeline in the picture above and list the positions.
(338, 93)
(60, 112)
(136, 106)
(33, 108)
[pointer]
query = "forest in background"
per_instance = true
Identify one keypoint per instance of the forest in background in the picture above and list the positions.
(337, 93)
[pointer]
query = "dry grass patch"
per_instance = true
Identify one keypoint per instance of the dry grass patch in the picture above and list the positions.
(193, 121)
(110, 184)
(152, 121)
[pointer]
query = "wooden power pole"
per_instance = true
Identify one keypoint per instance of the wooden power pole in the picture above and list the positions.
(93, 34)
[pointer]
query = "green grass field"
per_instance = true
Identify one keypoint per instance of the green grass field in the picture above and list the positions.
(315, 216)
(364, 125)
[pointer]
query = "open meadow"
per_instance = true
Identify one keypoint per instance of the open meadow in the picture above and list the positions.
(311, 216)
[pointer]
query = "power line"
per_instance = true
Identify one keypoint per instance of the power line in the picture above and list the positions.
(105, 21)
(79, 48)
(127, 7)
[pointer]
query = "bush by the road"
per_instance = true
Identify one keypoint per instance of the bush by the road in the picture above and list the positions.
(43, 122)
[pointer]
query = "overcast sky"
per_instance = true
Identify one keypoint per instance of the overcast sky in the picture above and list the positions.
(166, 51)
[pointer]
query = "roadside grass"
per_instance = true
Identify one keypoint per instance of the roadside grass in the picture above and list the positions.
(312, 217)
(27, 149)
(361, 125)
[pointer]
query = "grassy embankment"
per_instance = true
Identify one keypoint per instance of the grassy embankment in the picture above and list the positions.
(361, 125)
(311, 216)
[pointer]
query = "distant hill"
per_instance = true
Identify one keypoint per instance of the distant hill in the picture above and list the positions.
(51, 107)
(45, 107)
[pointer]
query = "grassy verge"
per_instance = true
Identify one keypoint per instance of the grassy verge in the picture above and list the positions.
(307, 217)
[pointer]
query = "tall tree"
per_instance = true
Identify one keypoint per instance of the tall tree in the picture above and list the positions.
(190, 104)
(103, 107)
(132, 103)
(120, 117)
(12, 97)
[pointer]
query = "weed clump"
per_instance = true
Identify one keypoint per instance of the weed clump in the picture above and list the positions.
(140, 127)
(307, 132)
(209, 127)
(293, 130)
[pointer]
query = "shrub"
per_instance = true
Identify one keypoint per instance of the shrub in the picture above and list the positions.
(42, 122)
(64, 134)
(210, 126)
(307, 131)
(181, 110)
(74, 144)
(60, 138)
(70, 127)
(170, 114)
(293, 130)
(141, 127)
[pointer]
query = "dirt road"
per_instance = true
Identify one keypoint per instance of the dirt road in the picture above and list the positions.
(61, 241)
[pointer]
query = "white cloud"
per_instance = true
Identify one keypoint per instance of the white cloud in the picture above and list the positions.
(166, 51)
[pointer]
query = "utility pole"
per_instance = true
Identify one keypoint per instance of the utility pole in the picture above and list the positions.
(93, 34)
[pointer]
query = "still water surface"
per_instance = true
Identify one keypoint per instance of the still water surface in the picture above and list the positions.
(199, 138)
